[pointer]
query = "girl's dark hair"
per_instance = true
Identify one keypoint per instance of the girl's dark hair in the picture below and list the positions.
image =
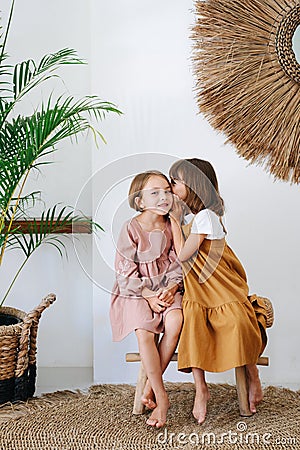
(138, 184)
(201, 184)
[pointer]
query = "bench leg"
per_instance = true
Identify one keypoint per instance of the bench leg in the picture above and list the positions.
(242, 391)
(138, 406)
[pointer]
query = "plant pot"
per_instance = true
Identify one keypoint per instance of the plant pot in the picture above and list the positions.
(18, 334)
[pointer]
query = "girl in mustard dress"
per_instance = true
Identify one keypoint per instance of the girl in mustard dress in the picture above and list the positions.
(223, 327)
(147, 296)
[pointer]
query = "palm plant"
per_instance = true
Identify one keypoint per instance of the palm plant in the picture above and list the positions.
(26, 140)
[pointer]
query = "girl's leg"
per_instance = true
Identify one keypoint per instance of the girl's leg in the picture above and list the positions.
(166, 349)
(151, 362)
(201, 396)
(254, 386)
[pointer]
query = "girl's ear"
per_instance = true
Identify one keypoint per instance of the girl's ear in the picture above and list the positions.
(139, 203)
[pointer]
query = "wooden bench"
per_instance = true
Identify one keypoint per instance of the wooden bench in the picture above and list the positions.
(240, 379)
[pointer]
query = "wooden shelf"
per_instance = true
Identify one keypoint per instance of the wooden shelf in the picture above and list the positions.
(76, 228)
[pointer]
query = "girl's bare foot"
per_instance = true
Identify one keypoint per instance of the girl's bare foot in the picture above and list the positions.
(148, 398)
(159, 414)
(254, 387)
(200, 404)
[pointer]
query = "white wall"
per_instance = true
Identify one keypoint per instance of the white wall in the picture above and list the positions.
(139, 56)
(65, 332)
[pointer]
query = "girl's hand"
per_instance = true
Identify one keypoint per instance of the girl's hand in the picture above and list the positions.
(176, 213)
(156, 304)
(167, 294)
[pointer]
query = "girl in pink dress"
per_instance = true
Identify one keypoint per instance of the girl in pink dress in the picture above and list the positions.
(146, 296)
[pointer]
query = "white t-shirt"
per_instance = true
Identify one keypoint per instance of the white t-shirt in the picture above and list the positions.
(207, 222)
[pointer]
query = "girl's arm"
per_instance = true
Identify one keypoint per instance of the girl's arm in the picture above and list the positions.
(184, 248)
(191, 246)
(128, 277)
(129, 280)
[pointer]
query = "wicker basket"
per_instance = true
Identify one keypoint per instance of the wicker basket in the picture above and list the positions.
(18, 351)
(269, 311)
(263, 306)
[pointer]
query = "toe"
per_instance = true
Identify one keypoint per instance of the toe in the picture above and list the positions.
(253, 408)
(151, 422)
(155, 423)
(200, 417)
(148, 403)
(144, 401)
(151, 404)
(160, 423)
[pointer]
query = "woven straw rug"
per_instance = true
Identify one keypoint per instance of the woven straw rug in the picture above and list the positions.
(101, 419)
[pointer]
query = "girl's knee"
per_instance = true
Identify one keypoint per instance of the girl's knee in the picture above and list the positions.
(144, 336)
(174, 321)
(177, 316)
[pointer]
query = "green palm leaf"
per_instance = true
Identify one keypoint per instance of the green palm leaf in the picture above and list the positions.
(25, 142)
(19, 208)
(28, 75)
(26, 139)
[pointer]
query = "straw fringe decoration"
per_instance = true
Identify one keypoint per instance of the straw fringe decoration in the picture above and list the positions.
(248, 79)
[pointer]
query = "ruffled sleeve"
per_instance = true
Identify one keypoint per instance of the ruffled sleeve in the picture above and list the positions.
(128, 277)
(174, 274)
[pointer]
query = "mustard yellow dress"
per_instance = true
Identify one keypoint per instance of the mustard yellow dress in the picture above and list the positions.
(223, 326)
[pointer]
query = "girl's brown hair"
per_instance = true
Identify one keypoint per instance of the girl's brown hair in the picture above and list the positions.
(138, 184)
(201, 184)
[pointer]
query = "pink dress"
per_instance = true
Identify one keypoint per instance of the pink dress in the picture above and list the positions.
(143, 259)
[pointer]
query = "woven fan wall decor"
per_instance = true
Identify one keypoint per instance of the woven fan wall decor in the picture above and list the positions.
(248, 78)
